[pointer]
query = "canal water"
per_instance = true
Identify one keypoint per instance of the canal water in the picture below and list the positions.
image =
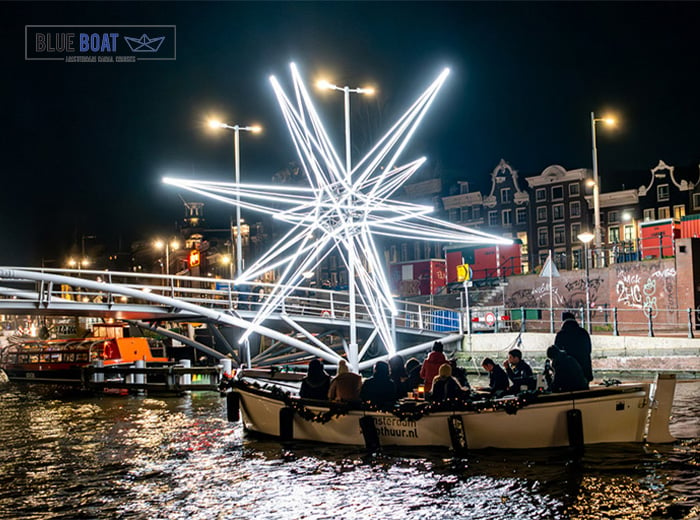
(177, 458)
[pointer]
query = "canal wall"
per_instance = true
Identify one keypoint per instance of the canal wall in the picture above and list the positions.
(664, 288)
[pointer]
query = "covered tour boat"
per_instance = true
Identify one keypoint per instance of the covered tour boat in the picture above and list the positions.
(62, 360)
(606, 413)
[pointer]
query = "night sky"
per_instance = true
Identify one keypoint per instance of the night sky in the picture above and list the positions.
(84, 146)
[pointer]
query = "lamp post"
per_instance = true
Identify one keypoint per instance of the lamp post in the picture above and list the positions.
(168, 246)
(237, 165)
(348, 176)
(596, 181)
(586, 239)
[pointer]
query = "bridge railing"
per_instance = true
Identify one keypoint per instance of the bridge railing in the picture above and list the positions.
(210, 293)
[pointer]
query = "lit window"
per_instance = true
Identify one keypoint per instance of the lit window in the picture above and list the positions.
(664, 212)
(679, 211)
(613, 234)
(649, 215)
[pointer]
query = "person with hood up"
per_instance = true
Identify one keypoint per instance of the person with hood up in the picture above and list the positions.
(431, 365)
(316, 383)
(346, 385)
(379, 389)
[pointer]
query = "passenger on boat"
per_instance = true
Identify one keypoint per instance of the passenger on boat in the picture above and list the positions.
(575, 341)
(459, 373)
(498, 379)
(568, 375)
(413, 371)
(431, 365)
(519, 372)
(398, 374)
(445, 386)
(346, 385)
(379, 389)
(316, 383)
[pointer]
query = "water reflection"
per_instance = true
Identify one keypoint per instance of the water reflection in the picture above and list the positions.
(151, 458)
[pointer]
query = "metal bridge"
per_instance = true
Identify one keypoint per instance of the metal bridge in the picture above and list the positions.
(314, 321)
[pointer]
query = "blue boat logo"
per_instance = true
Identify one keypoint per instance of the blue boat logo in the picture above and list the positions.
(144, 43)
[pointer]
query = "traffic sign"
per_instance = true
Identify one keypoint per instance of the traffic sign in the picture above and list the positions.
(490, 318)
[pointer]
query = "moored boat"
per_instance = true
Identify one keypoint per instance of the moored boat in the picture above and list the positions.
(622, 412)
(63, 360)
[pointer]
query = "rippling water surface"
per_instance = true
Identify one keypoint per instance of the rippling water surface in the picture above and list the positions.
(177, 458)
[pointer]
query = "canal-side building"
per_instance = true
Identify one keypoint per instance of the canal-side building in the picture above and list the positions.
(558, 214)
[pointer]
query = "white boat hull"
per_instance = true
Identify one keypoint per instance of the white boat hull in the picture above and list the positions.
(609, 414)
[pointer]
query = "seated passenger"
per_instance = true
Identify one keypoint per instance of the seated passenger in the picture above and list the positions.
(379, 389)
(398, 374)
(459, 373)
(346, 385)
(519, 372)
(498, 379)
(568, 374)
(445, 386)
(413, 371)
(316, 383)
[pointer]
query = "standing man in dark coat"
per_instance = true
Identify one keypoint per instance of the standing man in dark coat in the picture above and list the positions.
(575, 341)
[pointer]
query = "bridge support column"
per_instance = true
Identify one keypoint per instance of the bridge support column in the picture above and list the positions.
(185, 379)
(140, 379)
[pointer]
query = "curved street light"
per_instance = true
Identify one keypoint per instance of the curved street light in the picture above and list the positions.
(323, 84)
(236, 129)
(608, 121)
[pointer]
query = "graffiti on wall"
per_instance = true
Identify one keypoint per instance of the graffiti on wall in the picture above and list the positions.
(639, 292)
(572, 295)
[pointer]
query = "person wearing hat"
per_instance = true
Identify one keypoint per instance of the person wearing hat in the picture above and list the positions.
(575, 341)
(346, 385)
(445, 385)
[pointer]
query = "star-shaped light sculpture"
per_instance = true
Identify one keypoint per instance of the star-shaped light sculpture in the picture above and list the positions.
(339, 210)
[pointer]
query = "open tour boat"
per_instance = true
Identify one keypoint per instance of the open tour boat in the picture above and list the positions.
(621, 412)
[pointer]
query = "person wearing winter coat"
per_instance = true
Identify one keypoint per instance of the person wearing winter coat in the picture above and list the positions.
(568, 375)
(575, 341)
(445, 386)
(346, 385)
(431, 365)
(316, 383)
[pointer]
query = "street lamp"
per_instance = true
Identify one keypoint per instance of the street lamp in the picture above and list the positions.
(586, 239)
(213, 123)
(609, 121)
(348, 176)
(168, 246)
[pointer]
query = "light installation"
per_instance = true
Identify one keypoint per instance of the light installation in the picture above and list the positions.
(339, 210)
